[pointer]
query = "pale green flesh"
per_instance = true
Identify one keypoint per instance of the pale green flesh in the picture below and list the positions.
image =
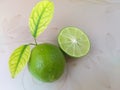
(74, 42)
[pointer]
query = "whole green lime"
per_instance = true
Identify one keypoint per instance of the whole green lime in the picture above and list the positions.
(47, 62)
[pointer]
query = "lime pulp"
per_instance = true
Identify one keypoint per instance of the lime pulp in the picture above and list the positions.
(74, 42)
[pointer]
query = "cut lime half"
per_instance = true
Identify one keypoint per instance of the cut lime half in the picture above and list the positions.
(74, 42)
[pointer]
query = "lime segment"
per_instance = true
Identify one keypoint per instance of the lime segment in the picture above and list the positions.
(74, 42)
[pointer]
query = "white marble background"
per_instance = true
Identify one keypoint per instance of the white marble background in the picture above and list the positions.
(100, 19)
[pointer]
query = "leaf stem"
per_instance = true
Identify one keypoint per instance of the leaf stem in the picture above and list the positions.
(35, 41)
(31, 44)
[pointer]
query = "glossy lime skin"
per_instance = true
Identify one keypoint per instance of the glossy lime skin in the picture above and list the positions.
(46, 63)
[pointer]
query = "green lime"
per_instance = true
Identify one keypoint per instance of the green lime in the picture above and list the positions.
(46, 62)
(74, 42)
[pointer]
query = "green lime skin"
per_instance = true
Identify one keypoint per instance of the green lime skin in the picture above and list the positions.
(47, 62)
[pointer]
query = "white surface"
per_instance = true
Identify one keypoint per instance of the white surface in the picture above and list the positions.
(100, 19)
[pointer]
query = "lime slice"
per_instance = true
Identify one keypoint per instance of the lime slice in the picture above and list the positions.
(74, 42)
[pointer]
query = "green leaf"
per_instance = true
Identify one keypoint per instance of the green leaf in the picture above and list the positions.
(19, 59)
(40, 17)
